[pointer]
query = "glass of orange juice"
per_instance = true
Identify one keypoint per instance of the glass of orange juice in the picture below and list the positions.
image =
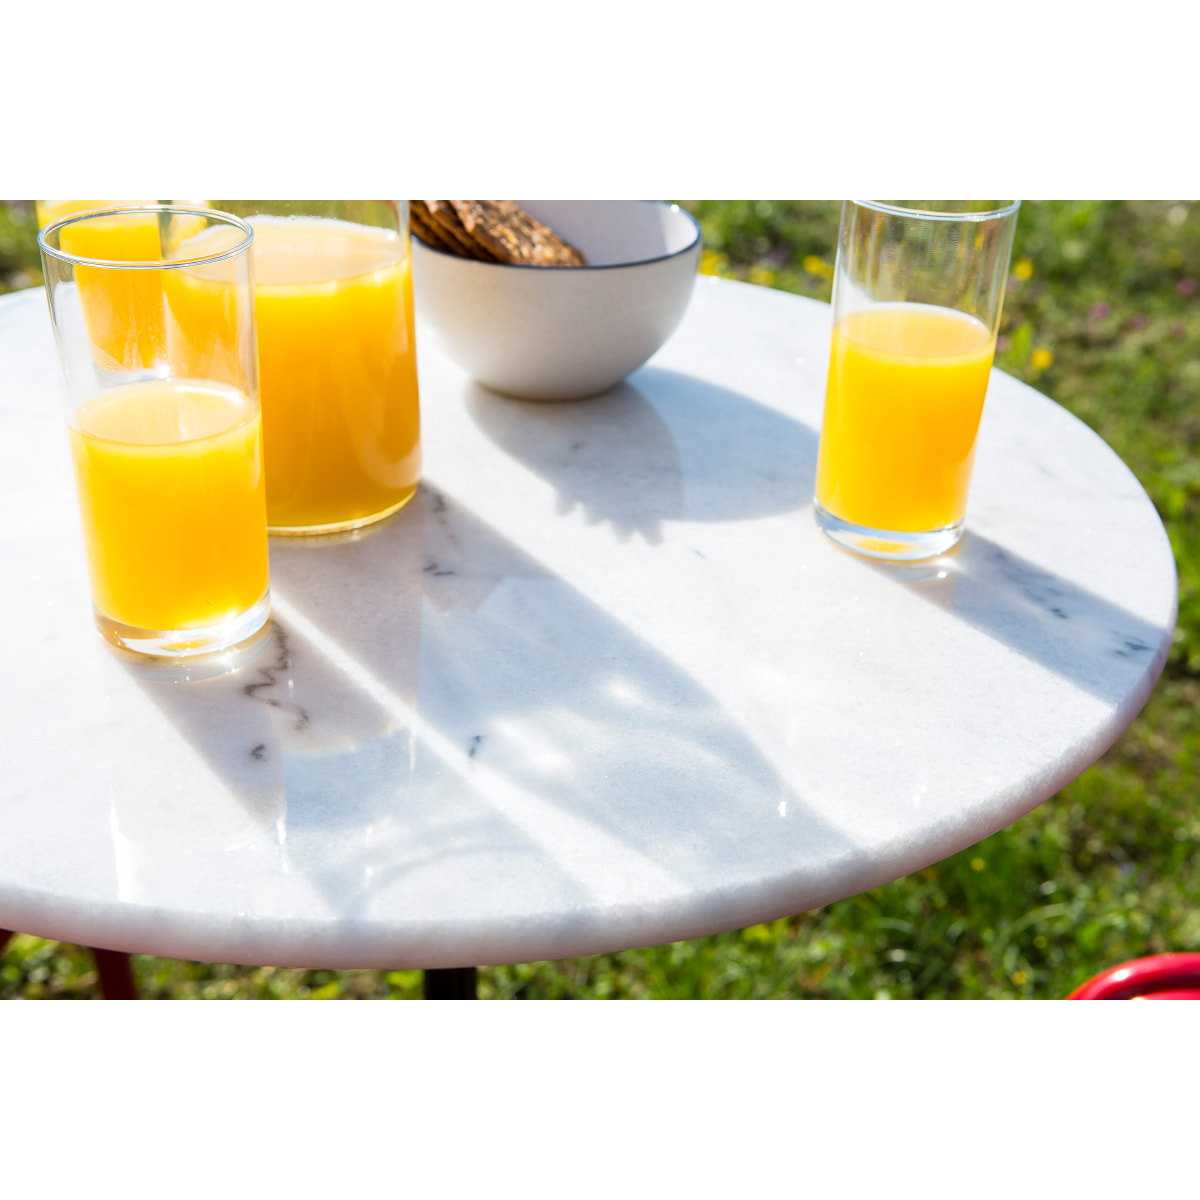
(126, 323)
(917, 294)
(166, 444)
(337, 360)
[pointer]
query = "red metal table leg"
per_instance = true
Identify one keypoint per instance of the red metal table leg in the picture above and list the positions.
(116, 975)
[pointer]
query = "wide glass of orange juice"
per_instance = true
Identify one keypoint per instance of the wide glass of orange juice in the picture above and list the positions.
(337, 360)
(918, 291)
(168, 462)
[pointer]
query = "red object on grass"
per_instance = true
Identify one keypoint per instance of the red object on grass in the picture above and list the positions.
(1159, 977)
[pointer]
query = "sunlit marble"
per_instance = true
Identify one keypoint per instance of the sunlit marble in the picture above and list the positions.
(602, 685)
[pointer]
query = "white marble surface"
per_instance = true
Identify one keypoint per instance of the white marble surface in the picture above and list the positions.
(602, 685)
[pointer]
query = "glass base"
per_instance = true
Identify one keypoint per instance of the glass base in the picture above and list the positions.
(896, 545)
(185, 643)
(338, 526)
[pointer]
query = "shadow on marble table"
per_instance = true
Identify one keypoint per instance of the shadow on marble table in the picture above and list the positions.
(1091, 642)
(665, 446)
(424, 731)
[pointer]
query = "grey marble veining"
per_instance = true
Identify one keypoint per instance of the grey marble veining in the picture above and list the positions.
(602, 684)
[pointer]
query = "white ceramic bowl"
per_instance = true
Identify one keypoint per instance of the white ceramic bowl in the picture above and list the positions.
(560, 333)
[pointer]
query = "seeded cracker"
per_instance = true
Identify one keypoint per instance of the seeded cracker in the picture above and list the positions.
(511, 235)
(426, 228)
(448, 229)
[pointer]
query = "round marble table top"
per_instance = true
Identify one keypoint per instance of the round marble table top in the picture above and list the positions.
(603, 684)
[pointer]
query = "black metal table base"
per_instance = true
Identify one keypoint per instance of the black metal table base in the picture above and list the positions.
(451, 983)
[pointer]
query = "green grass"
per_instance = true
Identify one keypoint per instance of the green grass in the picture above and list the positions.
(1103, 314)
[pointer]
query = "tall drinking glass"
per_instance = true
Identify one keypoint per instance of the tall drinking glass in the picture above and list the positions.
(917, 294)
(337, 360)
(163, 422)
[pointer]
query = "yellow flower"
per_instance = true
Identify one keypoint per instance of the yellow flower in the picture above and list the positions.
(761, 275)
(713, 262)
(1020, 978)
(816, 265)
(977, 864)
(1023, 269)
(1041, 358)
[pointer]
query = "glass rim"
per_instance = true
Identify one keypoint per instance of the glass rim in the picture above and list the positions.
(155, 264)
(930, 214)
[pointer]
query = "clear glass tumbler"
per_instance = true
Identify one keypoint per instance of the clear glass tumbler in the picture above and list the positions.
(917, 295)
(337, 360)
(153, 315)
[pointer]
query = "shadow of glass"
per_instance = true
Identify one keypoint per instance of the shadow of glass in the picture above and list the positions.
(191, 788)
(1088, 640)
(291, 733)
(441, 723)
(622, 457)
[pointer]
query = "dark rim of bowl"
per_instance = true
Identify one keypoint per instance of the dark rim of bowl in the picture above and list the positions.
(636, 262)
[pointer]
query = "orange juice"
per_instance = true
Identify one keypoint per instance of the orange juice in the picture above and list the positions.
(337, 371)
(51, 210)
(902, 408)
(205, 304)
(123, 308)
(171, 493)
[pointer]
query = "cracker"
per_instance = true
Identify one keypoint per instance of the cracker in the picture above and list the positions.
(425, 227)
(511, 235)
(549, 248)
(437, 223)
(492, 231)
(450, 225)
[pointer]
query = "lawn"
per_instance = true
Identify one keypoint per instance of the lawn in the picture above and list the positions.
(1102, 314)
